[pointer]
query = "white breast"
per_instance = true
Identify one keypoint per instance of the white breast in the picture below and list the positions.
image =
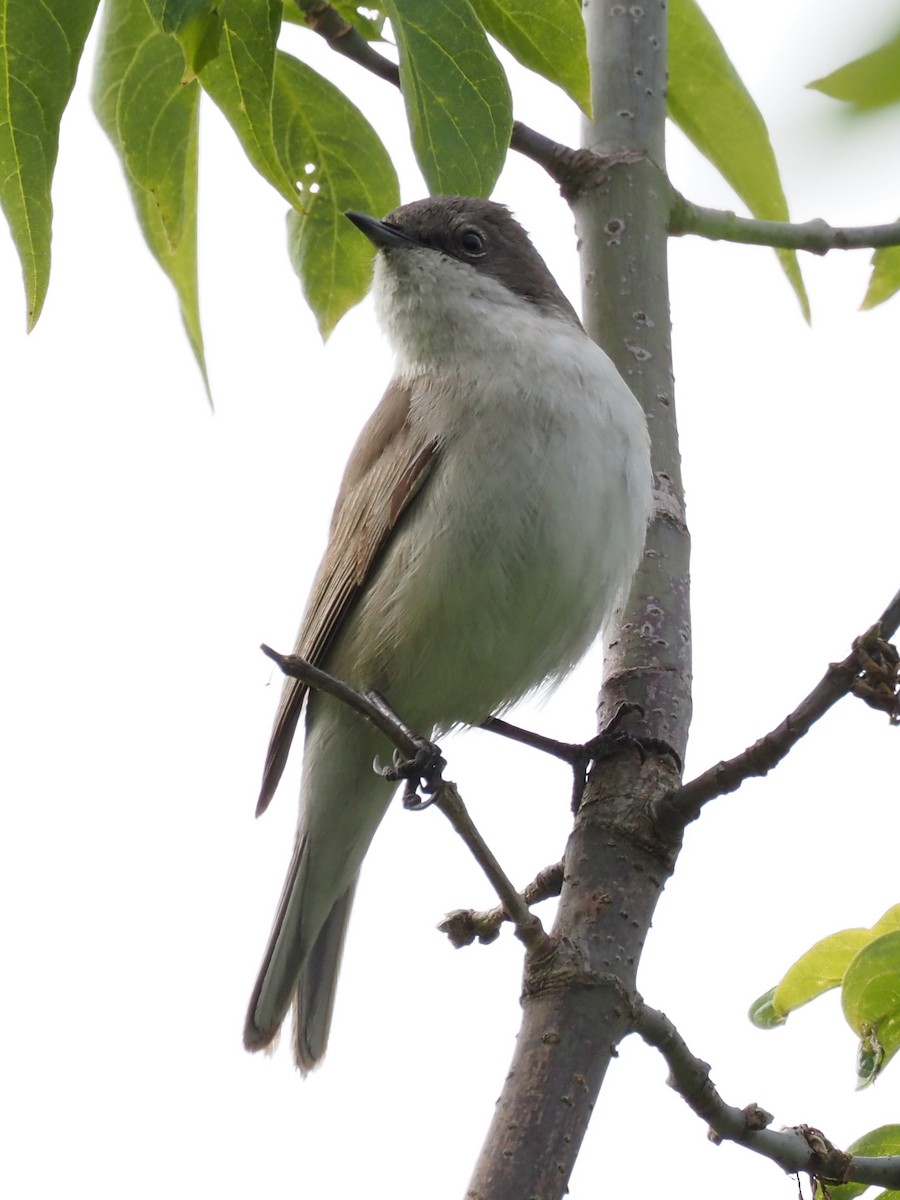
(531, 523)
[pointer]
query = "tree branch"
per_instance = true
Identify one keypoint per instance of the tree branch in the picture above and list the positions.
(561, 162)
(578, 170)
(464, 925)
(870, 671)
(818, 237)
(341, 36)
(799, 1149)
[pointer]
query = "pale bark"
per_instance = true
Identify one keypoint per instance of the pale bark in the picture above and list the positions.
(578, 1003)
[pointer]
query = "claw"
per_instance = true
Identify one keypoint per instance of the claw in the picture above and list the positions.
(423, 771)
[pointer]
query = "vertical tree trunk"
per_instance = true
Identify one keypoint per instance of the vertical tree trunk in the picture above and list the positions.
(622, 217)
(577, 1003)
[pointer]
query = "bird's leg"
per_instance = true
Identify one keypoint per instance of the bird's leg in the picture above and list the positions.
(569, 752)
(581, 756)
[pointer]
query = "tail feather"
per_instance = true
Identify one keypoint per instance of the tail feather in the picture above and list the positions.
(314, 997)
(342, 803)
(281, 964)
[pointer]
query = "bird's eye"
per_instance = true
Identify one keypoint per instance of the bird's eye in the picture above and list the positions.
(472, 243)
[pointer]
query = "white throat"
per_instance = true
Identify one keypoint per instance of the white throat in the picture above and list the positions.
(441, 315)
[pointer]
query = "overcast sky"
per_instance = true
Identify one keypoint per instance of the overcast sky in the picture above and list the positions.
(149, 547)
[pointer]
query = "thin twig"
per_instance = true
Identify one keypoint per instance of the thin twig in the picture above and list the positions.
(340, 35)
(528, 927)
(818, 237)
(463, 926)
(799, 1149)
(394, 730)
(446, 797)
(684, 805)
(558, 160)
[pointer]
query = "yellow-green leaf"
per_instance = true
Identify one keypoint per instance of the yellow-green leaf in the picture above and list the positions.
(456, 93)
(151, 119)
(822, 967)
(241, 81)
(825, 965)
(888, 923)
(867, 83)
(877, 1143)
(871, 1001)
(763, 1013)
(710, 104)
(884, 281)
(326, 144)
(41, 42)
(866, 964)
(547, 36)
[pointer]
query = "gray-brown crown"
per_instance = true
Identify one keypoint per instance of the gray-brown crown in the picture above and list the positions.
(487, 237)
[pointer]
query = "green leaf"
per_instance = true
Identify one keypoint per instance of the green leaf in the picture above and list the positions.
(326, 143)
(547, 36)
(884, 281)
(763, 1013)
(710, 104)
(241, 81)
(867, 83)
(361, 18)
(366, 19)
(872, 983)
(196, 24)
(888, 923)
(877, 1143)
(822, 967)
(871, 1003)
(842, 1191)
(173, 15)
(151, 119)
(41, 42)
(457, 97)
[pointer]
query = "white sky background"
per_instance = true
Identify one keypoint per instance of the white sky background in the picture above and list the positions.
(148, 548)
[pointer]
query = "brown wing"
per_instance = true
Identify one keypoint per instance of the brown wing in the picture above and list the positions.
(388, 466)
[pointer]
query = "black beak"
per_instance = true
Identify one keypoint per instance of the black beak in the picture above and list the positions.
(380, 233)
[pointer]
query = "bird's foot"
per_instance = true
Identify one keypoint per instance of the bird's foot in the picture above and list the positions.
(610, 741)
(613, 738)
(421, 764)
(422, 771)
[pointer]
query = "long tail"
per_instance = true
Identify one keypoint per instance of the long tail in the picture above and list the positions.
(309, 982)
(341, 805)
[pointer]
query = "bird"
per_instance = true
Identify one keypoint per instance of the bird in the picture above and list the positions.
(492, 512)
